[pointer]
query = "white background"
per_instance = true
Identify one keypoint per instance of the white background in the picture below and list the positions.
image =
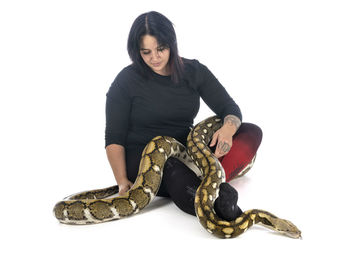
(286, 63)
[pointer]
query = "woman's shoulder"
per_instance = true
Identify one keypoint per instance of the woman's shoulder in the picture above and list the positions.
(194, 70)
(195, 67)
(126, 76)
(122, 82)
(127, 73)
(190, 64)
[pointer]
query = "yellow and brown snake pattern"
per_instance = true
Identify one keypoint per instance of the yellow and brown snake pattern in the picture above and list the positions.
(96, 206)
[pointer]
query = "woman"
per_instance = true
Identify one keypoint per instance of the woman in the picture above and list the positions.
(158, 94)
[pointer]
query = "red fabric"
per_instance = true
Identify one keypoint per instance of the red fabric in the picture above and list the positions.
(245, 144)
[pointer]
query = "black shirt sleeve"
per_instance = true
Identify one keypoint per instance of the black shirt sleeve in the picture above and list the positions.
(118, 105)
(215, 95)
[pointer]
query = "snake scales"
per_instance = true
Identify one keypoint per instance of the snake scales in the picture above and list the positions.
(96, 206)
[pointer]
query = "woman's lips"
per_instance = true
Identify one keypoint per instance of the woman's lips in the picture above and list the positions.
(156, 64)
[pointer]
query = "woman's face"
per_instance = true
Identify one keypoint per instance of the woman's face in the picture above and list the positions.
(156, 57)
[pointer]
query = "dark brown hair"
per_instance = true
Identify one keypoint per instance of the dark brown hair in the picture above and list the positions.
(157, 25)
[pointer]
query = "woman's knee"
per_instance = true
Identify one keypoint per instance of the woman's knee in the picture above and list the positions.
(249, 133)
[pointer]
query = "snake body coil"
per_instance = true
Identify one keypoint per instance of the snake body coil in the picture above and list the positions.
(213, 175)
(96, 206)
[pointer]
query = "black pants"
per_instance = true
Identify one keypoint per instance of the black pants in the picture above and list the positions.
(180, 183)
(133, 158)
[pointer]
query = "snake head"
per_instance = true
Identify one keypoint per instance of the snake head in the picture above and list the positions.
(285, 227)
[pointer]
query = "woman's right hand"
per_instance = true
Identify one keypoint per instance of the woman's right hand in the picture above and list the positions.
(124, 186)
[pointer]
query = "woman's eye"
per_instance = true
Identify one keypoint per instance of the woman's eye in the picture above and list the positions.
(160, 49)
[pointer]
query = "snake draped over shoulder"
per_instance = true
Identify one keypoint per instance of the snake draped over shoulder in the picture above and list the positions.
(101, 205)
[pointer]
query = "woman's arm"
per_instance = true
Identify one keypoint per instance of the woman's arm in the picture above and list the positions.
(232, 121)
(220, 102)
(118, 106)
(223, 136)
(116, 158)
(215, 95)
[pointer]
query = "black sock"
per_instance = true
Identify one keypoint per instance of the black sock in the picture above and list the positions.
(226, 204)
(181, 183)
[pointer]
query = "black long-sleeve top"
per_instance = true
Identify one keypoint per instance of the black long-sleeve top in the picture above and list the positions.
(138, 109)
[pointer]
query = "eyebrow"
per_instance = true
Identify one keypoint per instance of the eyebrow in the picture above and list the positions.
(143, 49)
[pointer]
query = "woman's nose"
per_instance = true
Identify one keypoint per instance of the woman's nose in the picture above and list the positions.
(155, 55)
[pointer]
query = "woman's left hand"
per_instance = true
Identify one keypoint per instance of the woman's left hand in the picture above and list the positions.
(224, 138)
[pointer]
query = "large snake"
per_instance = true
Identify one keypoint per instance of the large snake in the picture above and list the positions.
(101, 205)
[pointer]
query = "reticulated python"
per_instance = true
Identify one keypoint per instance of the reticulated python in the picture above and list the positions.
(96, 206)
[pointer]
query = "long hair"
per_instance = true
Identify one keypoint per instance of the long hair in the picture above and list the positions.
(157, 25)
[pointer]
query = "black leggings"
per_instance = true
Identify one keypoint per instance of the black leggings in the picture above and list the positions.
(180, 182)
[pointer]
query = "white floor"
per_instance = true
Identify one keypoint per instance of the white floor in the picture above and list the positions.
(301, 190)
(287, 66)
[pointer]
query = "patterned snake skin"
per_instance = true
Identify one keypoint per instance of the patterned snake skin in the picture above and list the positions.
(96, 206)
